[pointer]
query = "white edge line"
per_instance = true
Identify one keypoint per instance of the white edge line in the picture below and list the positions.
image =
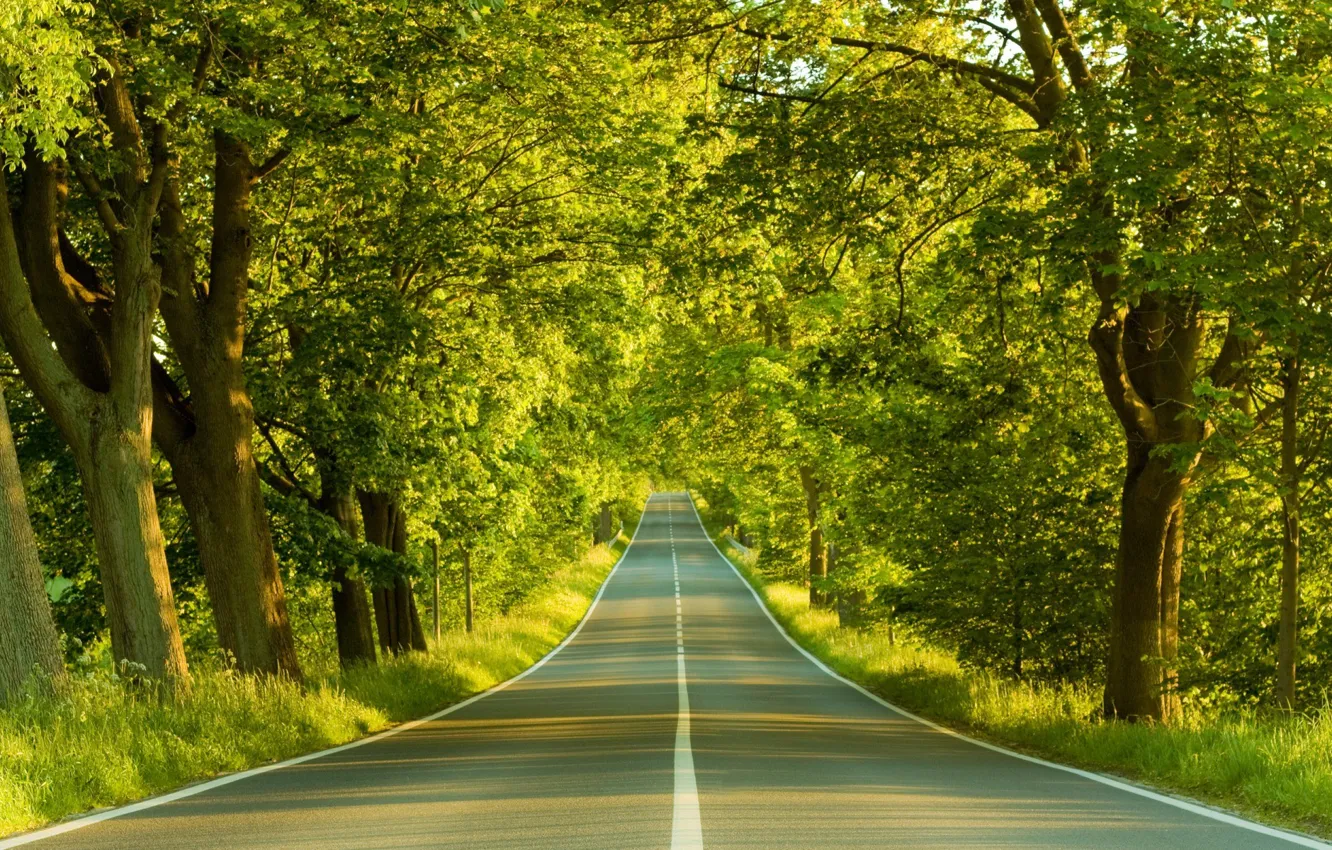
(1223, 817)
(152, 802)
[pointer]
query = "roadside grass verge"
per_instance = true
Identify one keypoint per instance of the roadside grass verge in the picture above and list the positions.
(1268, 766)
(101, 743)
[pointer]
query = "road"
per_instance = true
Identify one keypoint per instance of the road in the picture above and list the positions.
(679, 717)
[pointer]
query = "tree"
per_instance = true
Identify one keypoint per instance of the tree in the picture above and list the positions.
(29, 648)
(106, 418)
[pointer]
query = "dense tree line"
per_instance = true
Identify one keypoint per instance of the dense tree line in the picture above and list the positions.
(1011, 320)
(304, 299)
(1002, 322)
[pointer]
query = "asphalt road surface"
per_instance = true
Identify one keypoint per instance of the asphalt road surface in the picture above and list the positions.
(677, 716)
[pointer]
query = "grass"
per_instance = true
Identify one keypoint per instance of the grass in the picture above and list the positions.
(1270, 766)
(102, 744)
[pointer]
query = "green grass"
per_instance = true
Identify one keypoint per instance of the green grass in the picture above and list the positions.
(1270, 766)
(102, 744)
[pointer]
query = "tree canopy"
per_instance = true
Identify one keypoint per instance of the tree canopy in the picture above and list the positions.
(1001, 323)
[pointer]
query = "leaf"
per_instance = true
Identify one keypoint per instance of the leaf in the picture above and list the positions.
(57, 587)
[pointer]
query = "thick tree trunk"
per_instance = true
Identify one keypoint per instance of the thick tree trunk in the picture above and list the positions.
(351, 607)
(604, 526)
(1146, 602)
(140, 607)
(818, 554)
(1147, 357)
(1288, 634)
(219, 488)
(398, 622)
(210, 442)
(411, 635)
(29, 647)
(418, 633)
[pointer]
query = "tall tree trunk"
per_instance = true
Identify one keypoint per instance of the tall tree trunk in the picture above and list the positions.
(1147, 351)
(1147, 356)
(1146, 603)
(209, 441)
(351, 606)
(818, 553)
(29, 647)
(411, 635)
(604, 527)
(467, 588)
(434, 597)
(219, 488)
(377, 517)
(395, 616)
(140, 606)
(1290, 527)
(1172, 570)
(418, 634)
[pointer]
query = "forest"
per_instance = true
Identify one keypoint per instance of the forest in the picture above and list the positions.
(997, 326)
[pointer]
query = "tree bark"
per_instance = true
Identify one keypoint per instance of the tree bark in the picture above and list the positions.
(1290, 527)
(1172, 569)
(1146, 603)
(1147, 355)
(209, 441)
(818, 554)
(29, 646)
(467, 588)
(398, 622)
(351, 607)
(604, 527)
(434, 598)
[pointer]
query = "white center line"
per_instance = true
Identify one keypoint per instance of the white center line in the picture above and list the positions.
(686, 826)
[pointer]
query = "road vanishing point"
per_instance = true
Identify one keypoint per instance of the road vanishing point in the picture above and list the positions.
(678, 715)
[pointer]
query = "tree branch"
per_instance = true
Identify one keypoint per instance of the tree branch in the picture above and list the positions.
(759, 92)
(960, 65)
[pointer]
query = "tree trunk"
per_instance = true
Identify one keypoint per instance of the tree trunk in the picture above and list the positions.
(1019, 628)
(1172, 570)
(818, 555)
(467, 588)
(397, 621)
(29, 647)
(1146, 603)
(604, 528)
(1290, 543)
(351, 608)
(1147, 356)
(383, 620)
(434, 597)
(219, 488)
(418, 634)
(411, 636)
(140, 606)
(376, 516)
(210, 442)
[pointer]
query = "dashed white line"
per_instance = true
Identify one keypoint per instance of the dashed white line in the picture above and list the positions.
(686, 825)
